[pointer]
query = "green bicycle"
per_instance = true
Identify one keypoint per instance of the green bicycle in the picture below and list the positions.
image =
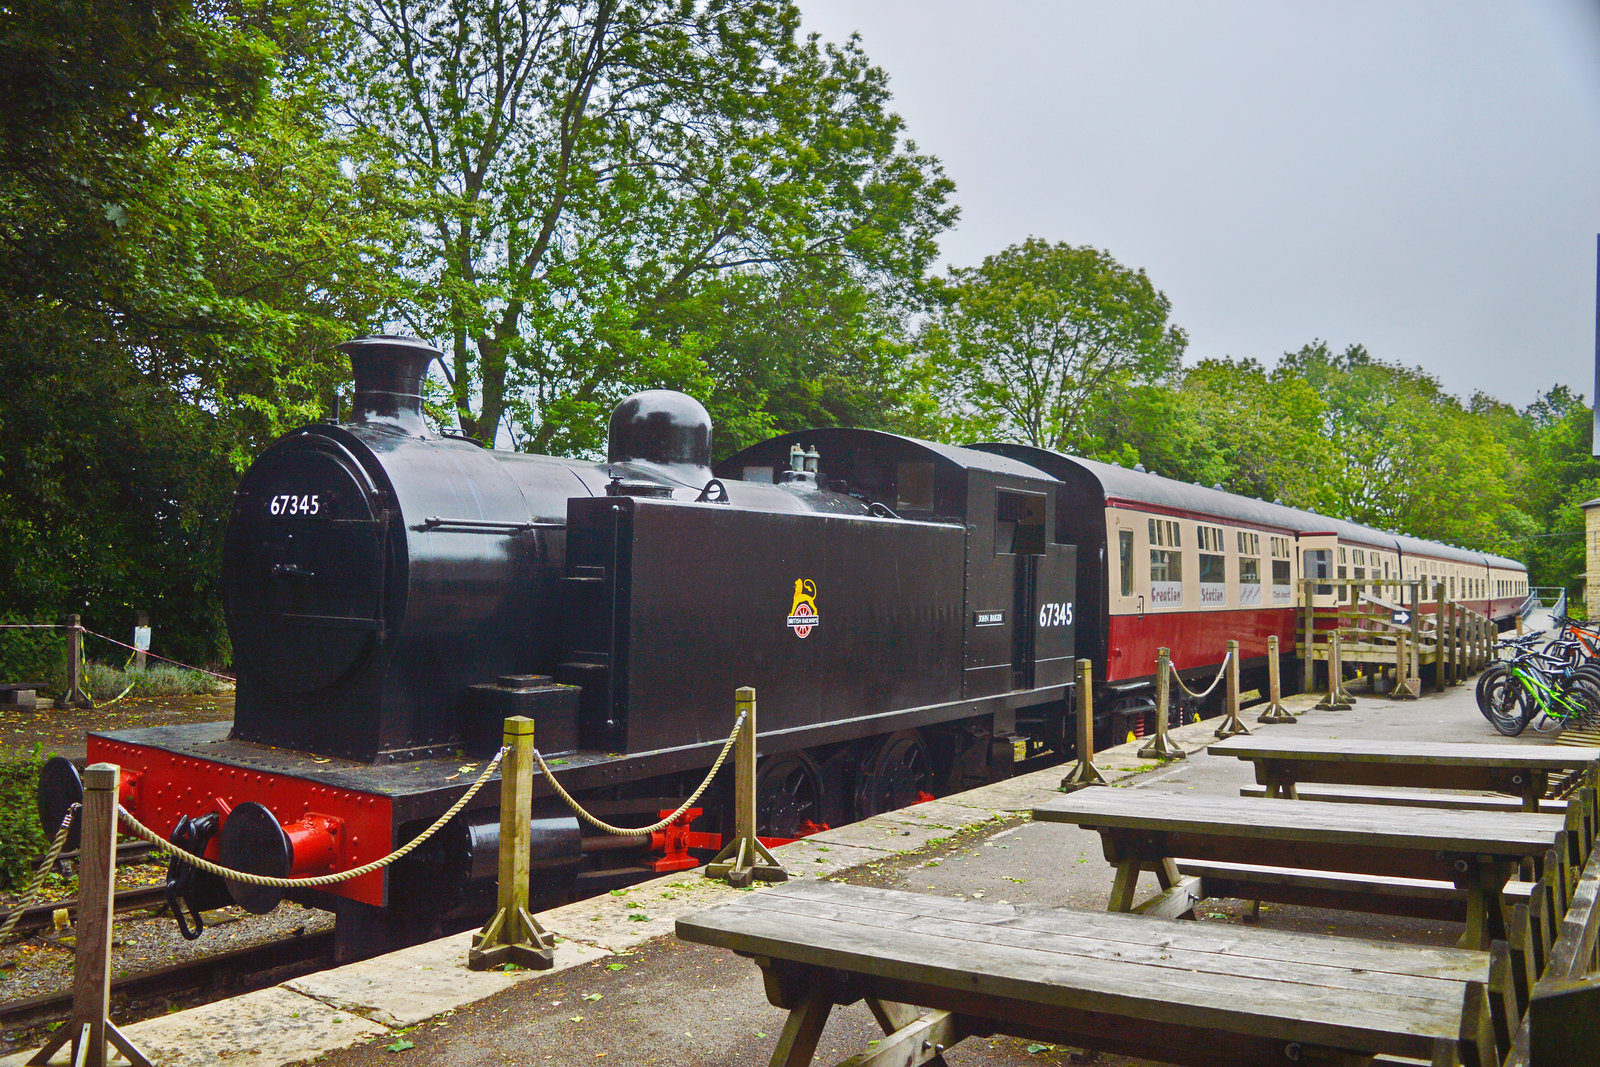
(1540, 690)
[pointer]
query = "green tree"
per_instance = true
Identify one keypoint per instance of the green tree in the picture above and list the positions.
(1037, 342)
(186, 247)
(599, 185)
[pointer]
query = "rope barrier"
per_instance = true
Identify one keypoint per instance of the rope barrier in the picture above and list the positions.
(31, 626)
(641, 831)
(138, 829)
(1222, 670)
(44, 868)
(164, 659)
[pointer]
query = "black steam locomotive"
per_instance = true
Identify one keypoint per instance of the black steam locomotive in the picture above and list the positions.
(903, 609)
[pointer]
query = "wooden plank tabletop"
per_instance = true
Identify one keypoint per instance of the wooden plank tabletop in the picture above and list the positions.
(1444, 753)
(1311, 988)
(1378, 826)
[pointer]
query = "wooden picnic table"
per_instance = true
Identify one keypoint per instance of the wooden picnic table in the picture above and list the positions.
(1519, 770)
(1477, 851)
(1187, 993)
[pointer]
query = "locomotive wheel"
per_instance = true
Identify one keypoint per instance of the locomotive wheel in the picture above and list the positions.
(788, 795)
(60, 787)
(895, 775)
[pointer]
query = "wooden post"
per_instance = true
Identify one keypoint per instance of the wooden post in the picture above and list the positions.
(1083, 772)
(89, 1029)
(512, 934)
(1160, 746)
(1338, 698)
(74, 697)
(1308, 622)
(1441, 645)
(141, 638)
(744, 857)
(1405, 683)
(1416, 631)
(1274, 711)
(1230, 722)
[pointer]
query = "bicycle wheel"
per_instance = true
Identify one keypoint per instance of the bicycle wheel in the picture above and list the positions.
(1491, 674)
(1506, 704)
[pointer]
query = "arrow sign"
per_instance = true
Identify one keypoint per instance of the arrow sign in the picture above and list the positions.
(1400, 618)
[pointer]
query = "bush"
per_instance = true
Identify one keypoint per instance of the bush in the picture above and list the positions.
(32, 655)
(157, 680)
(22, 840)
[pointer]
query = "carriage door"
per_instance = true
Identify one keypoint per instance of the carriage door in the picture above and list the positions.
(1019, 531)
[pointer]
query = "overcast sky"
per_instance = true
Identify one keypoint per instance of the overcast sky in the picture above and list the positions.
(1422, 178)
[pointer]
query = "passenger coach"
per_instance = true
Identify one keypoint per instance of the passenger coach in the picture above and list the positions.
(1165, 563)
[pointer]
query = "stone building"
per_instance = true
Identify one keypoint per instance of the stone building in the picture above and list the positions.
(1591, 557)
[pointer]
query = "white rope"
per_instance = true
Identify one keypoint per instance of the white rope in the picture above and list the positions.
(140, 830)
(44, 868)
(1207, 692)
(641, 831)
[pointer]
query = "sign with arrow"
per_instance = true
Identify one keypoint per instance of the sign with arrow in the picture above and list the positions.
(1400, 617)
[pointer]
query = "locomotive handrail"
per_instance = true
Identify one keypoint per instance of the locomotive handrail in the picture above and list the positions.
(434, 522)
(139, 829)
(642, 831)
(1221, 671)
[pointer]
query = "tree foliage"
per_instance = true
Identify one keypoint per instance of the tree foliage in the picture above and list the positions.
(600, 188)
(1037, 342)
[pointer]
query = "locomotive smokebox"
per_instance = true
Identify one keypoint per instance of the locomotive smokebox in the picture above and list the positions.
(388, 374)
(663, 427)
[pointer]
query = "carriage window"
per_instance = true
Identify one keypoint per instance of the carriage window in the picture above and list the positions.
(1125, 550)
(1250, 544)
(1318, 563)
(914, 487)
(1019, 523)
(1213, 567)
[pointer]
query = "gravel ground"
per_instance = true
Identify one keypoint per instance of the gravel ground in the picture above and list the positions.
(41, 963)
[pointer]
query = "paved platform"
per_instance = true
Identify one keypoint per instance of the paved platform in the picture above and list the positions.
(625, 990)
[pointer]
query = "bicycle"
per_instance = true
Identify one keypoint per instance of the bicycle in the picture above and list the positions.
(1544, 691)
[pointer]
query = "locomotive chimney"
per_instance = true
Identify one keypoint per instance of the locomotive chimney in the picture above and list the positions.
(388, 373)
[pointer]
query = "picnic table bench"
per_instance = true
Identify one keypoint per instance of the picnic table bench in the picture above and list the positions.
(1201, 994)
(1282, 764)
(1476, 852)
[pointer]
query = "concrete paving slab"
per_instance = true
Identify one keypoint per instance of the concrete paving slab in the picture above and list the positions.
(882, 834)
(941, 815)
(266, 1028)
(819, 859)
(417, 983)
(625, 918)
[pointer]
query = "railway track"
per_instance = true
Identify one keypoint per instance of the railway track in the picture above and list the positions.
(39, 918)
(231, 972)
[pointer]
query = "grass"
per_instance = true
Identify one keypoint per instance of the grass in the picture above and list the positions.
(156, 680)
(21, 838)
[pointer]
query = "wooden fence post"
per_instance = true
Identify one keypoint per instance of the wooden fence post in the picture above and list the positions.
(74, 697)
(1308, 622)
(1231, 726)
(1160, 746)
(1274, 711)
(1338, 698)
(141, 638)
(1405, 682)
(89, 1029)
(512, 934)
(744, 858)
(1442, 645)
(1083, 772)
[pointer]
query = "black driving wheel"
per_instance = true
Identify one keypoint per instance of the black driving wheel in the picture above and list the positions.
(895, 775)
(788, 796)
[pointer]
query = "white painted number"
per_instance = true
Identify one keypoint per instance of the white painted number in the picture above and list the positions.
(289, 504)
(1055, 614)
